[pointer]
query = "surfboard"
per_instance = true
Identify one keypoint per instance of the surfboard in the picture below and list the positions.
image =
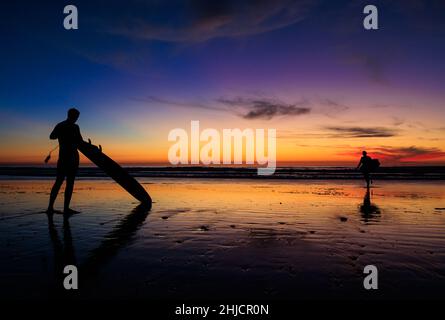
(115, 171)
(374, 164)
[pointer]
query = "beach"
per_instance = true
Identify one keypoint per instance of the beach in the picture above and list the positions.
(279, 239)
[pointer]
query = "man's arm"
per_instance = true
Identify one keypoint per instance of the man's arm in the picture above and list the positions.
(360, 162)
(79, 136)
(54, 135)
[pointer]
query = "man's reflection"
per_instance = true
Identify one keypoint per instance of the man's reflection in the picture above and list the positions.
(120, 236)
(63, 251)
(368, 210)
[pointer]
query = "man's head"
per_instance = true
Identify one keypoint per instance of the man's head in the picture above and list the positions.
(73, 115)
(364, 153)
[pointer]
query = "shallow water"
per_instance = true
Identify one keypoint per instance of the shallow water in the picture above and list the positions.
(234, 239)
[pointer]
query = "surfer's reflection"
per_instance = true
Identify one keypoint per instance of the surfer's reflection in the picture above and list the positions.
(63, 251)
(368, 210)
(120, 236)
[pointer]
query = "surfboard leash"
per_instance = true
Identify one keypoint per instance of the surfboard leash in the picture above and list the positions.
(48, 157)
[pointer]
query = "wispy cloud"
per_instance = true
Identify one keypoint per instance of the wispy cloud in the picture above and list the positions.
(130, 61)
(246, 108)
(258, 106)
(411, 153)
(264, 108)
(398, 121)
(330, 107)
(399, 154)
(362, 132)
(201, 20)
(179, 103)
(373, 66)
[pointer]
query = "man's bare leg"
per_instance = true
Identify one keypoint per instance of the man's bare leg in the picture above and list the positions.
(54, 192)
(68, 194)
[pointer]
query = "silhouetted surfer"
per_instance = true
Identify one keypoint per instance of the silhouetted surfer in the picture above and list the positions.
(365, 166)
(68, 134)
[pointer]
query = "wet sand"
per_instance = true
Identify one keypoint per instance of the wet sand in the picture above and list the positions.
(207, 239)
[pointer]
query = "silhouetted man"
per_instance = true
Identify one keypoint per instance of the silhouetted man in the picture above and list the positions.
(365, 167)
(68, 134)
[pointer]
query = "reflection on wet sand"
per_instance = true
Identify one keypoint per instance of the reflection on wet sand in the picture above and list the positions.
(120, 236)
(63, 251)
(264, 238)
(369, 211)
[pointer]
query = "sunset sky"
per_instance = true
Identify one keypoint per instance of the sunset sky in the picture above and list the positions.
(308, 69)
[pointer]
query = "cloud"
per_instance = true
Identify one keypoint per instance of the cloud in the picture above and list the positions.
(411, 153)
(373, 66)
(252, 107)
(267, 109)
(177, 103)
(201, 20)
(399, 154)
(398, 121)
(330, 107)
(247, 108)
(130, 61)
(362, 132)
